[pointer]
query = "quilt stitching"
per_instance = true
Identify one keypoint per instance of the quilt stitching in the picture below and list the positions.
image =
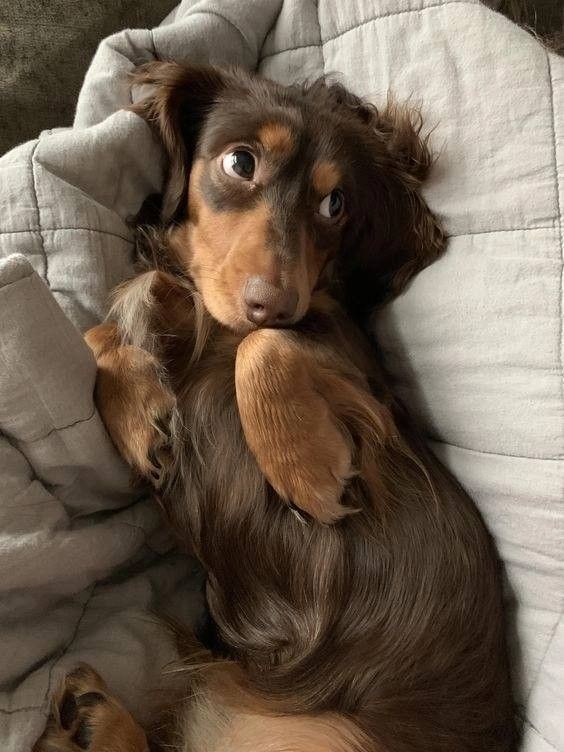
(63, 229)
(145, 533)
(321, 50)
(291, 49)
(542, 660)
(538, 733)
(369, 21)
(559, 219)
(154, 52)
(552, 458)
(503, 229)
(26, 709)
(38, 213)
(55, 429)
(399, 13)
(550, 640)
(223, 18)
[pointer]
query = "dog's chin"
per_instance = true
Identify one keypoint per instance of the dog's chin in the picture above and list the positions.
(234, 321)
(241, 326)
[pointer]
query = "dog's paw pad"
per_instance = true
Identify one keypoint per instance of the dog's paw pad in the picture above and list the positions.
(82, 737)
(68, 710)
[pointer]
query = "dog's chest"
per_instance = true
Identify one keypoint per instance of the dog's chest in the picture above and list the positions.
(207, 405)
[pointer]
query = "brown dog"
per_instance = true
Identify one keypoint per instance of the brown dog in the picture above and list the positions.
(351, 580)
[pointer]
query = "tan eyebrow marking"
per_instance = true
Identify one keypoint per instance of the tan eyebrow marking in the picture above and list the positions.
(326, 176)
(277, 137)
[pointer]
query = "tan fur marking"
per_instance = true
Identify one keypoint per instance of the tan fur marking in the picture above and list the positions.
(277, 138)
(222, 250)
(226, 715)
(326, 176)
(131, 399)
(289, 425)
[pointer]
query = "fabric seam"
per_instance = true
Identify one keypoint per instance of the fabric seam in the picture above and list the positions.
(26, 709)
(38, 213)
(400, 13)
(290, 49)
(223, 18)
(56, 429)
(552, 458)
(559, 209)
(539, 670)
(65, 229)
(322, 51)
(503, 229)
(271, 27)
(538, 733)
(369, 21)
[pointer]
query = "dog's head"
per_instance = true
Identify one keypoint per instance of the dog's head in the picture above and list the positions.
(275, 191)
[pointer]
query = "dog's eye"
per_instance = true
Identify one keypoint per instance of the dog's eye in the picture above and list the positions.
(332, 205)
(239, 164)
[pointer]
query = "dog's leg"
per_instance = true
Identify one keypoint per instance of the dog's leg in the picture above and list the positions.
(134, 403)
(85, 716)
(295, 436)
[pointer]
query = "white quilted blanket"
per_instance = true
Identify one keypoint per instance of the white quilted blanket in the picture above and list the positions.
(476, 343)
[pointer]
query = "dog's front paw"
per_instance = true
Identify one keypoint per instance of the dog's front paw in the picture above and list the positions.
(289, 425)
(84, 716)
(134, 402)
(136, 408)
(314, 473)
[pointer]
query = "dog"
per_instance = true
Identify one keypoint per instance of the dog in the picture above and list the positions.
(352, 583)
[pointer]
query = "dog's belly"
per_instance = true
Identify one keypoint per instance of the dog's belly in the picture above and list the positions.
(281, 587)
(389, 606)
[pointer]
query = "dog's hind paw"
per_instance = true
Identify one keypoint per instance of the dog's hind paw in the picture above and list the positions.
(84, 716)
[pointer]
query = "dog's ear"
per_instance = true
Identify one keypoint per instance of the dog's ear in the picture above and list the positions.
(176, 107)
(394, 234)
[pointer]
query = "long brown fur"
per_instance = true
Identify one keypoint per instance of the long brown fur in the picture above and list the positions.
(352, 581)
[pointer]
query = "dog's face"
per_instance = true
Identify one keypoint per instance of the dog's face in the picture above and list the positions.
(266, 211)
(269, 185)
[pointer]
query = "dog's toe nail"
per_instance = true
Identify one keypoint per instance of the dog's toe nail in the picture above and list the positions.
(67, 710)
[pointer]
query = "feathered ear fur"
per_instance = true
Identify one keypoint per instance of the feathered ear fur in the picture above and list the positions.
(176, 108)
(395, 235)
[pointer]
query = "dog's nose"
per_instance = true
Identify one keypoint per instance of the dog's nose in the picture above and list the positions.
(268, 305)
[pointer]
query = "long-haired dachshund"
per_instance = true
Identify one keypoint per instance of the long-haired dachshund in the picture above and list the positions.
(353, 586)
